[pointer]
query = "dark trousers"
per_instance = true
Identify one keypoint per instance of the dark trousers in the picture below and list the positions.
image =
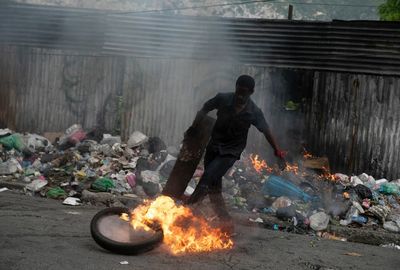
(215, 167)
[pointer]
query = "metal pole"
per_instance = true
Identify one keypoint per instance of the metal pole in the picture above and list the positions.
(290, 12)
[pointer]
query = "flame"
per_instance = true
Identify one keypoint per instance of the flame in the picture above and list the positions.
(326, 175)
(183, 231)
(259, 165)
(294, 168)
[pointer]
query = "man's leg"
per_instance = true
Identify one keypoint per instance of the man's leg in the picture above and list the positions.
(215, 193)
(218, 205)
(201, 189)
(215, 166)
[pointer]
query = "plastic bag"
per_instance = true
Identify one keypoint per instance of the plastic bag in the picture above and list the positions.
(363, 192)
(56, 193)
(276, 186)
(389, 188)
(13, 141)
(103, 184)
(319, 221)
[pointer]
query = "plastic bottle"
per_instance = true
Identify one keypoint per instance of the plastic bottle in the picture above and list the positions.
(359, 219)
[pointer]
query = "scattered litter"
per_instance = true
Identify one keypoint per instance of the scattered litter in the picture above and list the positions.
(100, 169)
(56, 193)
(124, 262)
(72, 201)
(10, 167)
(391, 226)
(73, 213)
(3, 189)
(327, 235)
(136, 138)
(257, 220)
(103, 184)
(354, 254)
(319, 221)
(36, 185)
(391, 245)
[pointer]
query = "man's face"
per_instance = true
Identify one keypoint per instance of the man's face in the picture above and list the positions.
(242, 94)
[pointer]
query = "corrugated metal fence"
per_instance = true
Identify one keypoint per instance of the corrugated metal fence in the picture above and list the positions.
(49, 91)
(46, 90)
(124, 72)
(355, 120)
(355, 46)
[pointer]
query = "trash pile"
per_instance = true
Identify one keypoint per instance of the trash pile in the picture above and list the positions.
(91, 167)
(310, 198)
(81, 166)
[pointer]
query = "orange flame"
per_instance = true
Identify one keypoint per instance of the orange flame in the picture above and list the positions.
(294, 168)
(259, 165)
(326, 175)
(183, 231)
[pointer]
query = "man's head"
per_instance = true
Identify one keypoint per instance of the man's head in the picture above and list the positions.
(244, 88)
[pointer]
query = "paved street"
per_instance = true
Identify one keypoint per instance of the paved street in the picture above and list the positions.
(38, 233)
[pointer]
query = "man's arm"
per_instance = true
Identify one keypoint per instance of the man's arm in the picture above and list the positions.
(210, 105)
(271, 139)
(199, 117)
(277, 152)
(261, 124)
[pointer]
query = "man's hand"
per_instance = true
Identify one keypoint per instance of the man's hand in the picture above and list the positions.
(281, 158)
(280, 154)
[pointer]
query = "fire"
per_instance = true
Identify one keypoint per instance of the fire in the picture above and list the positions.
(294, 168)
(260, 165)
(183, 231)
(327, 175)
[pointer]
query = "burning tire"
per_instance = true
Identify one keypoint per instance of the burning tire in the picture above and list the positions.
(116, 235)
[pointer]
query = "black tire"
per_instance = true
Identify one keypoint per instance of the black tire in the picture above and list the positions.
(121, 247)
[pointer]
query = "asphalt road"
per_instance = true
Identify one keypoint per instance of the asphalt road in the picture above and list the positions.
(38, 233)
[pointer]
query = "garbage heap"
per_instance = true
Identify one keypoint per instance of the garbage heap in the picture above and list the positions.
(81, 166)
(309, 198)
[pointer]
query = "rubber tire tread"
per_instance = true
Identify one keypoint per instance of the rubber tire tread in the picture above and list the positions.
(118, 247)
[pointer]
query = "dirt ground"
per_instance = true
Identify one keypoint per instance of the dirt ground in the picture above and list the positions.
(38, 233)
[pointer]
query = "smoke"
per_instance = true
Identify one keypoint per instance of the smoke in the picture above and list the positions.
(152, 72)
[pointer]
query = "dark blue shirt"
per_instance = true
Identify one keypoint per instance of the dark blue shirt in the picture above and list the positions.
(229, 136)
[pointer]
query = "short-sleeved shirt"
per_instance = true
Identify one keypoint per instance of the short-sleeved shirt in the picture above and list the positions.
(229, 136)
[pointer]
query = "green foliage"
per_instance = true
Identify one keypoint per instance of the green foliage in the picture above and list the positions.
(390, 11)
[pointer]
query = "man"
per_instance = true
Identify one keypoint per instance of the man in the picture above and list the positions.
(235, 113)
